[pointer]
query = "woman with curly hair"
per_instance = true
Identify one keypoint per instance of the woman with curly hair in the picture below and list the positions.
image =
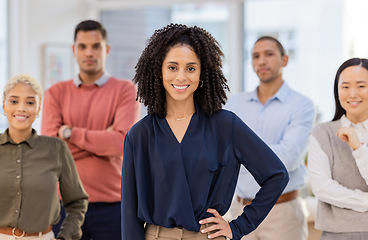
(181, 162)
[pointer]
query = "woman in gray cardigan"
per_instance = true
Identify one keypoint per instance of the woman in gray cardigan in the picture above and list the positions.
(338, 158)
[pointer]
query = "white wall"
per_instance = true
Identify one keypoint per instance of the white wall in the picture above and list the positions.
(318, 30)
(321, 37)
(34, 23)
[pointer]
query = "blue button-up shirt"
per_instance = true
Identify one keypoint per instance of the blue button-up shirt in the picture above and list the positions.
(284, 122)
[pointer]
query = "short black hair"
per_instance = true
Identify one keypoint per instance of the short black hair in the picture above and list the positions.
(363, 62)
(279, 45)
(148, 77)
(90, 25)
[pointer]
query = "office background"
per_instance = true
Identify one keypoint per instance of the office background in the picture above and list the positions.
(36, 37)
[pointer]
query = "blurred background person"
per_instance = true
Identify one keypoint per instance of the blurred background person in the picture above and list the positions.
(92, 113)
(283, 118)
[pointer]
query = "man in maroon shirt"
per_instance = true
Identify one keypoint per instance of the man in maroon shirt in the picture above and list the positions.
(92, 112)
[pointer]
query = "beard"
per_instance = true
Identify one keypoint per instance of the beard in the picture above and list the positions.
(267, 80)
(90, 70)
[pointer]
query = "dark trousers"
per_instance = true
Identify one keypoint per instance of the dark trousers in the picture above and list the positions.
(102, 222)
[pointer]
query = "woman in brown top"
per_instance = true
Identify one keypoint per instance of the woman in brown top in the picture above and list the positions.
(32, 170)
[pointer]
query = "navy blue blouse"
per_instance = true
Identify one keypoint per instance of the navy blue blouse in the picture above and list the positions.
(172, 184)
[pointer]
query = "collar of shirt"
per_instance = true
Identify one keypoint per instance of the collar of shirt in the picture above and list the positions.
(5, 138)
(280, 95)
(362, 128)
(101, 81)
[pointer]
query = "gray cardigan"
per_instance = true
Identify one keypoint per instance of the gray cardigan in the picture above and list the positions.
(345, 171)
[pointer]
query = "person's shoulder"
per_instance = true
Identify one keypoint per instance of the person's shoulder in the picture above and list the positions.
(51, 141)
(239, 101)
(121, 82)
(226, 121)
(296, 95)
(223, 115)
(2, 136)
(326, 126)
(239, 97)
(60, 86)
(142, 125)
(122, 85)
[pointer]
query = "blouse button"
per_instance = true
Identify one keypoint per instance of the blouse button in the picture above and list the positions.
(18, 177)
(19, 146)
(18, 161)
(16, 211)
(18, 193)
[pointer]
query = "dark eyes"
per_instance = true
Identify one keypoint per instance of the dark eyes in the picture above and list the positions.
(267, 54)
(173, 68)
(347, 87)
(82, 47)
(16, 102)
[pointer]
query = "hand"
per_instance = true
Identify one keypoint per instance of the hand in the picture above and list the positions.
(348, 135)
(110, 128)
(61, 130)
(221, 226)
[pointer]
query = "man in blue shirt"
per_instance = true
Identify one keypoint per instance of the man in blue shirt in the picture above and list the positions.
(283, 119)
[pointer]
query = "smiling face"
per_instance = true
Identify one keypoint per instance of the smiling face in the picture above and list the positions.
(267, 61)
(181, 70)
(21, 106)
(353, 93)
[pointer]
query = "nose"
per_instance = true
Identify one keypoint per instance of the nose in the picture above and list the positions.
(261, 59)
(181, 76)
(258, 62)
(21, 107)
(353, 92)
(89, 51)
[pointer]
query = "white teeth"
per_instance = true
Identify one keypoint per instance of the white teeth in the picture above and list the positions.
(180, 86)
(20, 118)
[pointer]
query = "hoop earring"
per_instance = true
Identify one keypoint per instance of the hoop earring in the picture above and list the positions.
(200, 84)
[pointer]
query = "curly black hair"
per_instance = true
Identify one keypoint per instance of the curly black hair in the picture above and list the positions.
(148, 76)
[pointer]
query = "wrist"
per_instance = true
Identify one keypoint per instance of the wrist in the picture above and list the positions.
(67, 132)
(358, 146)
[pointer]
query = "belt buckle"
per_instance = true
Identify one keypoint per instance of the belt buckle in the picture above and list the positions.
(13, 232)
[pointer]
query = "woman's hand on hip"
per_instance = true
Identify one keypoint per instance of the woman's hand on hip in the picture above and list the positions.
(220, 226)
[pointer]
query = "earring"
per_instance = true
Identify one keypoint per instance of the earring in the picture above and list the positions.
(37, 116)
(200, 84)
(4, 114)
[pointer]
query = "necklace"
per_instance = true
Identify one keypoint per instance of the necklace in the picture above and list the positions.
(179, 119)
(183, 118)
